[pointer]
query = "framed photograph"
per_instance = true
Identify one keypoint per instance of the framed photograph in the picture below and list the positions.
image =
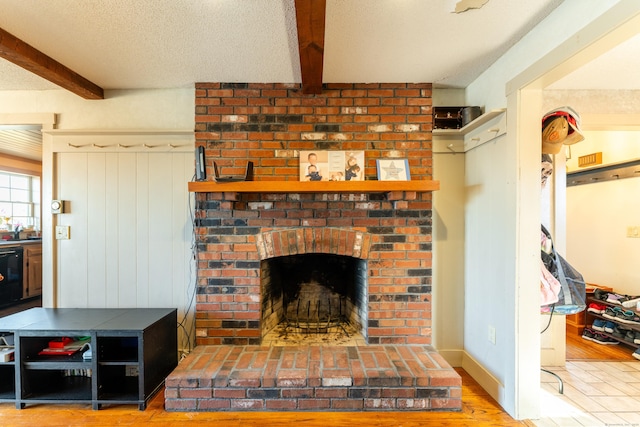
(393, 170)
(328, 165)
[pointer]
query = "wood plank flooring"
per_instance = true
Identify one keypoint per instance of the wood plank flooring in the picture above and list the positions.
(579, 349)
(478, 408)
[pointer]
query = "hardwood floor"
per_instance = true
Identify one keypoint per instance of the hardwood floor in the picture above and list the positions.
(479, 409)
(579, 349)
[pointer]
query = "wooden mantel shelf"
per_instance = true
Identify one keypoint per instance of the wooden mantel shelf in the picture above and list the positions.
(312, 187)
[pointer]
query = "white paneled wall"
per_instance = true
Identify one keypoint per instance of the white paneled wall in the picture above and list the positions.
(129, 215)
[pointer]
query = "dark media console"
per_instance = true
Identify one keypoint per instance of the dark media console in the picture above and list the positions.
(132, 352)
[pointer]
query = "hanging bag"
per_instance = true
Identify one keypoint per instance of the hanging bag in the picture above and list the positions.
(572, 296)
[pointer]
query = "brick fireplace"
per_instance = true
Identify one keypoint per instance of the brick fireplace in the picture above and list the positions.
(388, 234)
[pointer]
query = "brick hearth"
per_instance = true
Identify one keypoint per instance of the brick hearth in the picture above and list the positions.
(389, 233)
(312, 378)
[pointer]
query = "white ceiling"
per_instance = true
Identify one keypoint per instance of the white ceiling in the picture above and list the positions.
(125, 44)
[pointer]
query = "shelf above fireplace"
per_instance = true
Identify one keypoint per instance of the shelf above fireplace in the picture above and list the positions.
(420, 186)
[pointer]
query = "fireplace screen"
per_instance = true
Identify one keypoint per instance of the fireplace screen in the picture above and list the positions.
(313, 298)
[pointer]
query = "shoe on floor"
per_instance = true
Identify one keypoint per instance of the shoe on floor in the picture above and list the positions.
(600, 294)
(630, 301)
(610, 326)
(615, 298)
(596, 308)
(612, 313)
(598, 325)
(603, 339)
(630, 336)
(636, 354)
(588, 334)
(619, 332)
(627, 316)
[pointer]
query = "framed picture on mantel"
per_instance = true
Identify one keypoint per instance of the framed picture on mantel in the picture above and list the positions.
(393, 170)
(329, 165)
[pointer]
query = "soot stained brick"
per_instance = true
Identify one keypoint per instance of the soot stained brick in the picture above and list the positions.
(419, 272)
(327, 128)
(234, 85)
(207, 222)
(243, 231)
(221, 127)
(219, 283)
(419, 289)
(380, 230)
(381, 213)
(382, 247)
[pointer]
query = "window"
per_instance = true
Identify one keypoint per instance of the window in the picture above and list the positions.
(19, 200)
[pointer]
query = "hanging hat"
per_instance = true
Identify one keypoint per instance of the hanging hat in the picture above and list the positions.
(560, 126)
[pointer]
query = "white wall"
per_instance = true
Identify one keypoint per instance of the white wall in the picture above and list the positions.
(121, 109)
(448, 251)
(489, 277)
(599, 214)
(129, 210)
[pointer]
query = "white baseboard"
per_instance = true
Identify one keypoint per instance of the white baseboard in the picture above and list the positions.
(453, 357)
(483, 377)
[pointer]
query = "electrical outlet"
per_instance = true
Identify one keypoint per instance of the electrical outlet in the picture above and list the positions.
(492, 334)
(62, 232)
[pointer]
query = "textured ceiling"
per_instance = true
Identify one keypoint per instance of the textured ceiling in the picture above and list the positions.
(120, 44)
(125, 44)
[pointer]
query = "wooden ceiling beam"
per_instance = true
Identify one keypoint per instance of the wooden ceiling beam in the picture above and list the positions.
(22, 54)
(310, 19)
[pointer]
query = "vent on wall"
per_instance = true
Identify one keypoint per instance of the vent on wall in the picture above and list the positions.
(630, 169)
(590, 159)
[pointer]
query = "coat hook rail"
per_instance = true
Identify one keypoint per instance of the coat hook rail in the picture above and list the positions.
(73, 146)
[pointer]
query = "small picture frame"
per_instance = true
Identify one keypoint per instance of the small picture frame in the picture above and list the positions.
(393, 170)
(330, 165)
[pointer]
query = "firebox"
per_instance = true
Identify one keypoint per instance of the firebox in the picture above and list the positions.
(313, 298)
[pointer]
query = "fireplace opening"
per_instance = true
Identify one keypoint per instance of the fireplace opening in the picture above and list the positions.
(313, 298)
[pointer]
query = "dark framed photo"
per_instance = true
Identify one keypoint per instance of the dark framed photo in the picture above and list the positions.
(393, 170)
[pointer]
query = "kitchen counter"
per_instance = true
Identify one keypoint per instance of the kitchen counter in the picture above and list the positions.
(19, 242)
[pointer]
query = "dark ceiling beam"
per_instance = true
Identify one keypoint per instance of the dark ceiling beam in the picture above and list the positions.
(310, 17)
(20, 53)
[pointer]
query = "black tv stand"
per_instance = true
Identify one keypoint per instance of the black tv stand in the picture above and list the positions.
(133, 351)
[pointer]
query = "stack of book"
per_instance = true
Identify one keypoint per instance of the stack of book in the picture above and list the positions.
(66, 346)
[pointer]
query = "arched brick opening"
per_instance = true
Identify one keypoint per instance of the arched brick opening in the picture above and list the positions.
(313, 285)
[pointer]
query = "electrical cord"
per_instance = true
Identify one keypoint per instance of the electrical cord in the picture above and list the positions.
(187, 343)
(553, 308)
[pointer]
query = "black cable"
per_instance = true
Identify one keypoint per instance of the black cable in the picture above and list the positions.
(191, 297)
(553, 307)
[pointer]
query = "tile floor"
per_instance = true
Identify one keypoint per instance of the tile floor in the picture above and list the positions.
(595, 394)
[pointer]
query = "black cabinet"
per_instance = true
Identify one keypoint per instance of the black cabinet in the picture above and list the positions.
(132, 352)
(447, 117)
(10, 275)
